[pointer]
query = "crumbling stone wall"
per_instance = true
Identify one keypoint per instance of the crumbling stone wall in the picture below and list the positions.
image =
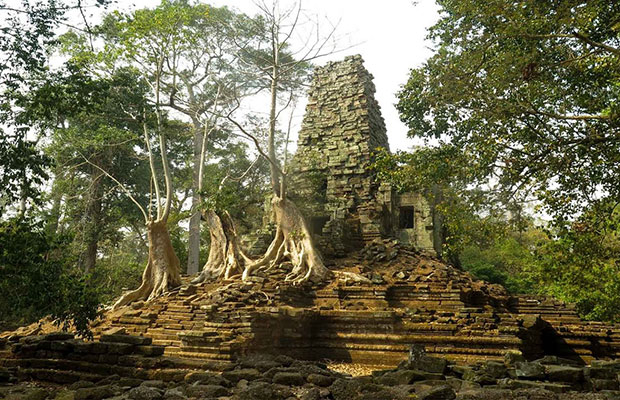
(341, 129)
(332, 176)
(420, 232)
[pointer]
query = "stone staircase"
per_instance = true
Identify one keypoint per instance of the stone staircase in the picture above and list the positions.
(59, 358)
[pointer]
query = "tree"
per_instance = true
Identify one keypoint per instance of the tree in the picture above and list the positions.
(282, 67)
(37, 279)
(580, 263)
(527, 92)
(520, 101)
(86, 119)
(190, 49)
(226, 256)
(26, 29)
(162, 271)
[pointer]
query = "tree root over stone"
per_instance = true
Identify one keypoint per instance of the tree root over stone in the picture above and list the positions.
(293, 242)
(226, 258)
(162, 269)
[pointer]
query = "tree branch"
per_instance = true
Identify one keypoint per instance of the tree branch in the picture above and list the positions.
(123, 187)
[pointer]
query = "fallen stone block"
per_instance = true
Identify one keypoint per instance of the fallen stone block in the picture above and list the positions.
(560, 373)
(129, 339)
(530, 370)
(443, 392)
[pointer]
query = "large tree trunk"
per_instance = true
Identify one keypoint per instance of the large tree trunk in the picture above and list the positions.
(162, 269)
(293, 242)
(193, 251)
(226, 258)
(93, 222)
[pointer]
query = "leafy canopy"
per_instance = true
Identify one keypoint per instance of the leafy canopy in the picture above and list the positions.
(527, 91)
(520, 102)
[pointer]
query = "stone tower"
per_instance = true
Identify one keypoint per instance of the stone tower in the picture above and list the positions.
(332, 178)
(341, 129)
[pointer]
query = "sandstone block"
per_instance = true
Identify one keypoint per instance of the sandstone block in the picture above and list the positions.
(600, 373)
(95, 392)
(401, 377)
(288, 379)
(130, 339)
(236, 375)
(604, 384)
(431, 364)
(559, 373)
(145, 393)
(206, 391)
(320, 380)
(495, 369)
(529, 370)
(443, 392)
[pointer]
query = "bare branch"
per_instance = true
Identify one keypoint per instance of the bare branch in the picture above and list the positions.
(254, 139)
(123, 187)
(154, 179)
(240, 177)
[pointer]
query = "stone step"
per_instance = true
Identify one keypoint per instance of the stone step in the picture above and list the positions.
(205, 341)
(166, 342)
(406, 328)
(81, 367)
(176, 352)
(231, 325)
(222, 348)
(181, 308)
(165, 335)
(379, 349)
(133, 320)
(178, 317)
(474, 341)
(56, 376)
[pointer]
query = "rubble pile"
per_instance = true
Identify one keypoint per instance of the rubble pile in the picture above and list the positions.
(262, 376)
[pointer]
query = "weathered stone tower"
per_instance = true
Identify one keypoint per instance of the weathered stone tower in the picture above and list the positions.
(332, 174)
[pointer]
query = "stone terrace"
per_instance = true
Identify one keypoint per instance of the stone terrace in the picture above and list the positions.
(413, 299)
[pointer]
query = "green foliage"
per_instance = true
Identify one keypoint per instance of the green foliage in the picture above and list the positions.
(27, 28)
(520, 102)
(120, 270)
(581, 264)
(506, 260)
(527, 91)
(37, 279)
(91, 133)
(236, 184)
(22, 40)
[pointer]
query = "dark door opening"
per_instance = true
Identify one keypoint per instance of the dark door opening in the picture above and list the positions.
(317, 224)
(406, 217)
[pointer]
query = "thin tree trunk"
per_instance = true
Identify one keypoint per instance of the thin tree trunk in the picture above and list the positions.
(193, 252)
(23, 196)
(273, 171)
(54, 218)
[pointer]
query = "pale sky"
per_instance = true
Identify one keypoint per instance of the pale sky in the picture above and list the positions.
(390, 36)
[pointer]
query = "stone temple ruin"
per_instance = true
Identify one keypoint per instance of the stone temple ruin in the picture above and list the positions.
(412, 297)
(345, 204)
